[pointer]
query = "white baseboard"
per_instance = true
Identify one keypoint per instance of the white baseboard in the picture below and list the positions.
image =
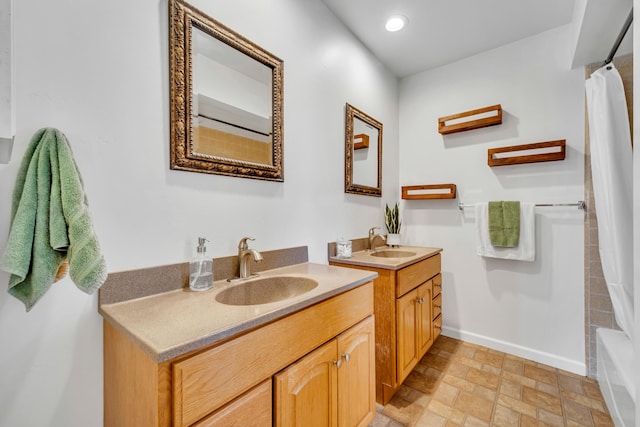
(527, 353)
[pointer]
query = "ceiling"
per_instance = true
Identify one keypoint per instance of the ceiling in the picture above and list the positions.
(443, 31)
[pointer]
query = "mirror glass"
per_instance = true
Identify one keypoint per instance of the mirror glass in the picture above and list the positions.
(226, 100)
(363, 153)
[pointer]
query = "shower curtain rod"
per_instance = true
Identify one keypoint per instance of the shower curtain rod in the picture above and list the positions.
(623, 32)
(580, 205)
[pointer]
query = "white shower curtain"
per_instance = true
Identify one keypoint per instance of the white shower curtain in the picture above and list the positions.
(611, 164)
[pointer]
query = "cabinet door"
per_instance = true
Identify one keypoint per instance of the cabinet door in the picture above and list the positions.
(306, 392)
(252, 409)
(407, 314)
(356, 375)
(425, 317)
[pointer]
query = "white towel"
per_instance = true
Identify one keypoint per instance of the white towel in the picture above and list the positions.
(526, 249)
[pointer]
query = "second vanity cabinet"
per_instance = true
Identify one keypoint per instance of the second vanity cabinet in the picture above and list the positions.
(407, 308)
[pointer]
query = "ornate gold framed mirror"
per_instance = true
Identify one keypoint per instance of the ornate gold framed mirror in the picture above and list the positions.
(363, 153)
(226, 99)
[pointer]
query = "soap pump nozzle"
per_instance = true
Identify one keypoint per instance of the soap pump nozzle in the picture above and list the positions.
(201, 246)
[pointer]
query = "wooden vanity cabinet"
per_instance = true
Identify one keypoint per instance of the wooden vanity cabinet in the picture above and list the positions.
(356, 376)
(230, 383)
(437, 306)
(407, 308)
(415, 332)
(254, 408)
(332, 386)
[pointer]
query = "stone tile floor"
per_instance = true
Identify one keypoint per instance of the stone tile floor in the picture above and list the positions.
(462, 384)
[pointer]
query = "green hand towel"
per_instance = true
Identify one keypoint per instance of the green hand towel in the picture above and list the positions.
(50, 222)
(504, 224)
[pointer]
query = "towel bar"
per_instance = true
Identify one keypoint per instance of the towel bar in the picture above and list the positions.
(580, 205)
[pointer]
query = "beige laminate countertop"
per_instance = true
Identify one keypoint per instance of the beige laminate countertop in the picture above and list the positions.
(173, 323)
(366, 259)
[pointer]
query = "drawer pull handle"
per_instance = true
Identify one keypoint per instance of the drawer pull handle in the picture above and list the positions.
(420, 300)
(338, 363)
(346, 357)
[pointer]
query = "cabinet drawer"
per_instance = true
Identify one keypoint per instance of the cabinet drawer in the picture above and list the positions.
(415, 274)
(437, 306)
(252, 409)
(437, 326)
(437, 285)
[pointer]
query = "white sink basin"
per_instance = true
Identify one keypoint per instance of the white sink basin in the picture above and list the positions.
(266, 290)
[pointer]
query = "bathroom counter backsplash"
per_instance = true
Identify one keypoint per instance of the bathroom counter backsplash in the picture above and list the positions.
(368, 259)
(174, 322)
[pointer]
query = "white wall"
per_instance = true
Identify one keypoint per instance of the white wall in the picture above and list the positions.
(6, 70)
(99, 72)
(231, 86)
(7, 97)
(534, 309)
(636, 203)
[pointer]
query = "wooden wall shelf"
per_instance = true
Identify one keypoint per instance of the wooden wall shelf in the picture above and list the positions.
(435, 191)
(544, 152)
(489, 116)
(360, 141)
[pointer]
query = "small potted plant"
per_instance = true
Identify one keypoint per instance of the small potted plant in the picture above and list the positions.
(392, 221)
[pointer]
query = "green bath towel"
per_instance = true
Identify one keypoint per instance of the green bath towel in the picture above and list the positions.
(50, 222)
(504, 224)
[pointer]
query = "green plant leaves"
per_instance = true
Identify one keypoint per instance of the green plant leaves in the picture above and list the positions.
(392, 219)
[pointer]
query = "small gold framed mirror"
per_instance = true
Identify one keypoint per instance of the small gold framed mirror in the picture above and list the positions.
(363, 153)
(226, 99)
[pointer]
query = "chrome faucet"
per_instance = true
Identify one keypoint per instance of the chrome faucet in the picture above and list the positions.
(243, 257)
(372, 237)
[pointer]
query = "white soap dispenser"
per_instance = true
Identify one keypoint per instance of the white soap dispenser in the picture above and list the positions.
(201, 269)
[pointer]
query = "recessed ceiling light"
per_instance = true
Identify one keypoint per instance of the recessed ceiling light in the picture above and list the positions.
(396, 22)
